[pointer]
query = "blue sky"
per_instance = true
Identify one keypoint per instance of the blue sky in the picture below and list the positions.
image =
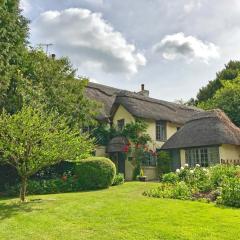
(174, 47)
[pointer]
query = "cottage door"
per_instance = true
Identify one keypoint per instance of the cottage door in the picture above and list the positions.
(121, 162)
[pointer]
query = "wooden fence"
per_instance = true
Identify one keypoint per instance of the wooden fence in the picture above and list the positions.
(231, 161)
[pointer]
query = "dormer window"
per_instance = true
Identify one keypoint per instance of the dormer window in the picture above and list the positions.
(120, 124)
(161, 131)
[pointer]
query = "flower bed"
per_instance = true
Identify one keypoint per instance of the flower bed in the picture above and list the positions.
(220, 184)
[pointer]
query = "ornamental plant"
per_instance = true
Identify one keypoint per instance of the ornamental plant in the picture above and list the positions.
(31, 140)
(220, 182)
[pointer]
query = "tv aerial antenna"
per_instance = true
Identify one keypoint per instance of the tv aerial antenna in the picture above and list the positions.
(46, 46)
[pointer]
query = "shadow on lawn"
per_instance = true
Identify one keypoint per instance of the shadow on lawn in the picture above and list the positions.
(8, 210)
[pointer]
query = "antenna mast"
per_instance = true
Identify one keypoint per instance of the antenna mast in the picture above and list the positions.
(46, 46)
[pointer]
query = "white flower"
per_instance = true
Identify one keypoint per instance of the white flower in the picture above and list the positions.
(191, 171)
(177, 170)
(204, 169)
(197, 165)
(185, 165)
(182, 168)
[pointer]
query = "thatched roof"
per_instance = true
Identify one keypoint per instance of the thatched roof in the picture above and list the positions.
(103, 94)
(150, 108)
(205, 129)
(138, 105)
(117, 144)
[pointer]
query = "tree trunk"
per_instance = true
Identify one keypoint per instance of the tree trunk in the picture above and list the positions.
(23, 189)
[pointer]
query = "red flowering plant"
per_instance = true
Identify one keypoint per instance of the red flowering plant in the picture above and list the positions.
(137, 148)
(64, 178)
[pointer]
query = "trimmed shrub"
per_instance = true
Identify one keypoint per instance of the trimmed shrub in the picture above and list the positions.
(118, 179)
(49, 186)
(95, 173)
(9, 176)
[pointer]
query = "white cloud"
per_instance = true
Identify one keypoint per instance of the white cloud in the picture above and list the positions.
(95, 2)
(25, 6)
(191, 5)
(189, 47)
(88, 40)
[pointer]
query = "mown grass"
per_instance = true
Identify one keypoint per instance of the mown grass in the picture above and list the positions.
(121, 212)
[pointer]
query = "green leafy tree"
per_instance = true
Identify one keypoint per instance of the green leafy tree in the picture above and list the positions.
(230, 72)
(43, 80)
(31, 140)
(226, 98)
(29, 76)
(13, 41)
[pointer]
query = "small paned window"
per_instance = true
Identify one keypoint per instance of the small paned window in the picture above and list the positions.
(161, 131)
(149, 159)
(205, 156)
(120, 124)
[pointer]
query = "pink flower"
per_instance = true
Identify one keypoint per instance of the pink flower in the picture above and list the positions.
(125, 148)
(64, 178)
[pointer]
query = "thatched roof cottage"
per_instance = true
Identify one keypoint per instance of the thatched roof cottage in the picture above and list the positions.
(190, 134)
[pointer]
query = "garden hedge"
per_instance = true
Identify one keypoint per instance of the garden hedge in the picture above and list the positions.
(9, 176)
(95, 173)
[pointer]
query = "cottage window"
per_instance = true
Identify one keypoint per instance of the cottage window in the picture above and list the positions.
(120, 124)
(149, 160)
(205, 156)
(161, 131)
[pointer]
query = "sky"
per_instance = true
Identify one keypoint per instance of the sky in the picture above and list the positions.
(174, 47)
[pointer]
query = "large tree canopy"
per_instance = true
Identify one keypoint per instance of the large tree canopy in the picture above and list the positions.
(230, 72)
(51, 82)
(30, 77)
(13, 40)
(226, 98)
(223, 92)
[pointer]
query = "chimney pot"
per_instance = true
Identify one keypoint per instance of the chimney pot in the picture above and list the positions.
(142, 87)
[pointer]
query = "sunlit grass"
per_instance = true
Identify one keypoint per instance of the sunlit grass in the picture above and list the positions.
(120, 212)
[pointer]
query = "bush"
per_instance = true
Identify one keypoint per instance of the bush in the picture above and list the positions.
(95, 173)
(118, 179)
(221, 173)
(50, 186)
(9, 176)
(197, 178)
(230, 195)
(92, 173)
(170, 178)
(136, 172)
(181, 191)
(176, 191)
(164, 162)
(221, 183)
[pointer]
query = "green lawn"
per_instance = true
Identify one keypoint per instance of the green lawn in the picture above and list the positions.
(117, 213)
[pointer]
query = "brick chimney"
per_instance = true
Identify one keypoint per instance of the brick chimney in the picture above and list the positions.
(143, 92)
